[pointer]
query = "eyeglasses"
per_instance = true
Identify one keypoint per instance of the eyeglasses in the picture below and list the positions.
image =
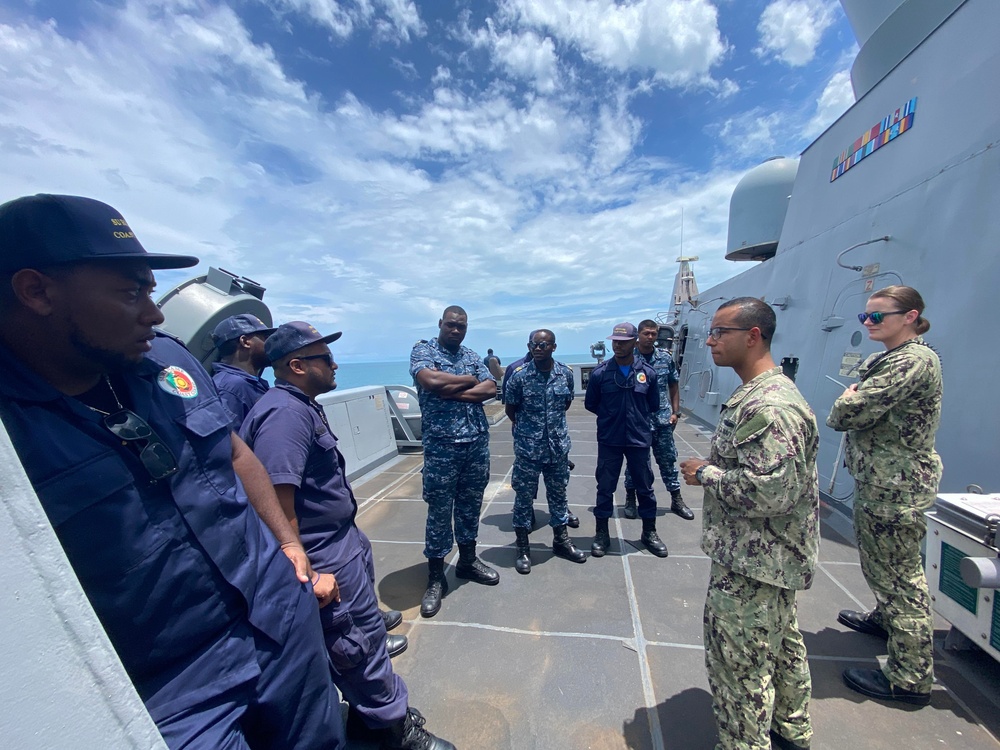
(876, 317)
(328, 358)
(543, 345)
(716, 333)
(157, 458)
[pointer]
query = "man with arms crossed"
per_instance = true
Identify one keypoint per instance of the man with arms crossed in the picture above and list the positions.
(760, 529)
(452, 384)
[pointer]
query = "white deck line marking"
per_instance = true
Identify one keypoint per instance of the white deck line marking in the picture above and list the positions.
(652, 715)
(842, 587)
(391, 486)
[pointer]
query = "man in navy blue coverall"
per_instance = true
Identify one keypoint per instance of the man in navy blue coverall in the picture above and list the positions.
(239, 339)
(123, 436)
(288, 430)
(623, 393)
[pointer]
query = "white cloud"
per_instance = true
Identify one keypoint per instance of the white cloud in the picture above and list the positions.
(791, 30)
(678, 40)
(393, 20)
(520, 205)
(836, 98)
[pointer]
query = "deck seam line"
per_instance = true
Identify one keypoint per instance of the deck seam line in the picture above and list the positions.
(649, 694)
(822, 566)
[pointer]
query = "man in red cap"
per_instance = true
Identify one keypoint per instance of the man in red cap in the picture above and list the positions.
(623, 393)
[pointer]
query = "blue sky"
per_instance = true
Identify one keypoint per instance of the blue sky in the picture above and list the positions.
(373, 161)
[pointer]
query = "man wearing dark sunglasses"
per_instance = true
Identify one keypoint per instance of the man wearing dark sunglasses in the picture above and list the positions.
(239, 340)
(538, 396)
(289, 432)
(123, 436)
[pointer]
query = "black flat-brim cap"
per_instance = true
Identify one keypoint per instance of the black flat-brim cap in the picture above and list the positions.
(49, 230)
(290, 337)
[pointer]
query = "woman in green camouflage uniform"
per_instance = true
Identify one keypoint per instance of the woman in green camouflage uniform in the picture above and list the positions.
(891, 416)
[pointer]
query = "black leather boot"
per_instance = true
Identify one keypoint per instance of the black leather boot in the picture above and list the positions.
(523, 562)
(437, 587)
(395, 645)
(572, 521)
(391, 617)
(651, 539)
(678, 506)
(631, 509)
(562, 546)
(472, 568)
(409, 734)
(602, 538)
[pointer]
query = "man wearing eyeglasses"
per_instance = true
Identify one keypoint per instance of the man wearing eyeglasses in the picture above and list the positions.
(239, 339)
(123, 436)
(662, 424)
(760, 528)
(452, 384)
(571, 519)
(539, 394)
(623, 393)
(288, 431)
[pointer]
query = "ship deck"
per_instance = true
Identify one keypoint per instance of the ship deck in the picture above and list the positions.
(609, 654)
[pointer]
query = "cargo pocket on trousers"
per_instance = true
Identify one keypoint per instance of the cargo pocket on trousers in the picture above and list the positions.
(346, 644)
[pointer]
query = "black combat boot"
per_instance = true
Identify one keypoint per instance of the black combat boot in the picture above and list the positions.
(562, 546)
(602, 538)
(651, 539)
(391, 617)
(437, 587)
(678, 506)
(472, 568)
(631, 509)
(409, 734)
(523, 562)
(572, 521)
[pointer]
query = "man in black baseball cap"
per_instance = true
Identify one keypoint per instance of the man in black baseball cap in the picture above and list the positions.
(289, 432)
(239, 340)
(133, 458)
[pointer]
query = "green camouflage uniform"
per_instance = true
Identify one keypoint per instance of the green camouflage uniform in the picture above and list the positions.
(761, 531)
(890, 424)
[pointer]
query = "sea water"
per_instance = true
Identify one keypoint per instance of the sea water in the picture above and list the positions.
(357, 374)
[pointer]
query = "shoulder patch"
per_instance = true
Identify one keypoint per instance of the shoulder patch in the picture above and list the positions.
(177, 382)
(753, 427)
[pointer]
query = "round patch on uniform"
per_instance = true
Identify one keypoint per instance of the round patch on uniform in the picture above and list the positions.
(641, 377)
(175, 380)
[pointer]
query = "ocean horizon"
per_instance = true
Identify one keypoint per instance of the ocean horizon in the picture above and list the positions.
(397, 372)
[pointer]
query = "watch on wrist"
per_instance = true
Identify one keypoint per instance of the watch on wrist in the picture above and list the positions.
(700, 473)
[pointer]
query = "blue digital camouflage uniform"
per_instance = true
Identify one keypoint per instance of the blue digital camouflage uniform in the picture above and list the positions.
(456, 442)
(890, 422)
(761, 531)
(664, 448)
(541, 439)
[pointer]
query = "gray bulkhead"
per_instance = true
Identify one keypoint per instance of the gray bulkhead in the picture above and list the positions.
(935, 192)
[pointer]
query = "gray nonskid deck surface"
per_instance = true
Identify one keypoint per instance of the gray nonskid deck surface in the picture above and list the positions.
(609, 654)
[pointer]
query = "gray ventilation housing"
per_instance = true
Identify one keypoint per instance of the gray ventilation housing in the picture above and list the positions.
(888, 31)
(194, 308)
(757, 209)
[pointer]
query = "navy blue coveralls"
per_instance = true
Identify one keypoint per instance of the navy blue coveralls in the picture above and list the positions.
(289, 433)
(238, 390)
(623, 405)
(220, 639)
